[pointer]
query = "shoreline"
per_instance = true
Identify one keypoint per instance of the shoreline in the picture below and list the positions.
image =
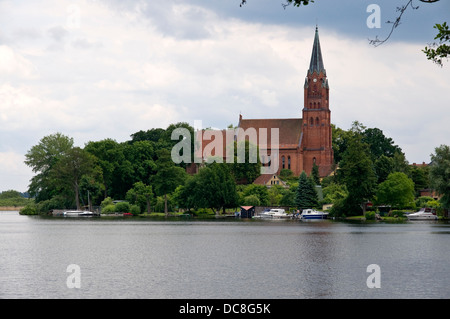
(10, 208)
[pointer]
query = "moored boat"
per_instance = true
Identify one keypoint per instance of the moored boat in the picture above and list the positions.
(273, 213)
(313, 214)
(78, 213)
(423, 214)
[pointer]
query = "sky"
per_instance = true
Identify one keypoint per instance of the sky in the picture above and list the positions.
(94, 69)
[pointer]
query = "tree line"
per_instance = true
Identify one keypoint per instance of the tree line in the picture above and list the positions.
(369, 167)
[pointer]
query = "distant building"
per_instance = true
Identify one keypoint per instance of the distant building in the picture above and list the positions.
(269, 180)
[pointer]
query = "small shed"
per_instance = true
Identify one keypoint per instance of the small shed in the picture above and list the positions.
(247, 211)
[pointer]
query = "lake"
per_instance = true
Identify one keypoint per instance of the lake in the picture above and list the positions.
(220, 258)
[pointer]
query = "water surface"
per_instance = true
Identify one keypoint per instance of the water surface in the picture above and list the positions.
(227, 258)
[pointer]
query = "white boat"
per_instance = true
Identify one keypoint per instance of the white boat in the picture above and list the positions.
(78, 213)
(313, 214)
(423, 214)
(273, 213)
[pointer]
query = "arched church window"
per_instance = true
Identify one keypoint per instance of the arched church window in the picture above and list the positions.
(282, 161)
(289, 162)
(317, 121)
(314, 104)
(318, 105)
(314, 160)
(311, 121)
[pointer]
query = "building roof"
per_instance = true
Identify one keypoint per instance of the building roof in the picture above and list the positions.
(264, 179)
(290, 130)
(316, 64)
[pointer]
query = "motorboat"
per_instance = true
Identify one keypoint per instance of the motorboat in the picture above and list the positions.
(273, 213)
(313, 214)
(78, 213)
(423, 214)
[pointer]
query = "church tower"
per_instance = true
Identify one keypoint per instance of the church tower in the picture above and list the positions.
(316, 137)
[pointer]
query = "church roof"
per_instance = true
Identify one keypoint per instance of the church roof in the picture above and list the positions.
(290, 130)
(316, 63)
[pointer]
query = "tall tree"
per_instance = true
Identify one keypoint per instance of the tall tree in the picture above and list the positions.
(357, 173)
(397, 190)
(440, 173)
(42, 158)
(216, 188)
(168, 176)
(109, 155)
(141, 194)
(69, 171)
(306, 196)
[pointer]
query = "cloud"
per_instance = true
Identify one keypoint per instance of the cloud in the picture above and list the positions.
(130, 66)
(13, 64)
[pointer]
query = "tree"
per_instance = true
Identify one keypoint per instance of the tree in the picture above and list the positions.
(397, 190)
(334, 192)
(42, 158)
(213, 187)
(70, 169)
(383, 167)
(440, 174)
(258, 190)
(315, 174)
(140, 195)
(296, 3)
(420, 177)
(438, 51)
(109, 156)
(357, 173)
(249, 168)
(168, 176)
(379, 144)
(306, 196)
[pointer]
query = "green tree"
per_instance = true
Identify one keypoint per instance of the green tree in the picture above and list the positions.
(260, 191)
(357, 173)
(334, 192)
(70, 169)
(397, 190)
(383, 167)
(379, 144)
(246, 167)
(42, 158)
(440, 174)
(213, 187)
(141, 195)
(315, 174)
(440, 50)
(306, 195)
(276, 193)
(168, 176)
(420, 177)
(109, 156)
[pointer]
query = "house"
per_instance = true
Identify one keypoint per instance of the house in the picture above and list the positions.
(269, 180)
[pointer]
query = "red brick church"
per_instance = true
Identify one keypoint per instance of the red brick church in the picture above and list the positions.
(302, 141)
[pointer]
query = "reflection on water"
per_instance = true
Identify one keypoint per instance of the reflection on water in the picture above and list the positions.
(144, 258)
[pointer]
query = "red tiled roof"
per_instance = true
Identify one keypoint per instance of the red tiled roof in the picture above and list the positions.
(290, 130)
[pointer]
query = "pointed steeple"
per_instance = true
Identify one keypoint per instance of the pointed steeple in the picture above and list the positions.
(316, 63)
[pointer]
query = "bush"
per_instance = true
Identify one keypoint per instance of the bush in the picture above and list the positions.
(107, 201)
(30, 209)
(370, 215)
(251, 200)
(111, 208)
(123, 207)
(135, 209)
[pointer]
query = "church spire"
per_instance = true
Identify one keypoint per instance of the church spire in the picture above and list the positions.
(316, 63)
